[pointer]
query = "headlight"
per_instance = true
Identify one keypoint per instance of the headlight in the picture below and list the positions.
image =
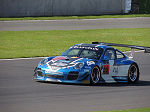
(79, 65)
(44, 61)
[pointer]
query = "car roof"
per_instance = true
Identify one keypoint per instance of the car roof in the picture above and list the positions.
(93, 45)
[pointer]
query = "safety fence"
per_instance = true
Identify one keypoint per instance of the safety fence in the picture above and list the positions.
(19, 8)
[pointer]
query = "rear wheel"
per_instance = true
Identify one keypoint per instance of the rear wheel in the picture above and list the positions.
(133, 73)
(95, 75)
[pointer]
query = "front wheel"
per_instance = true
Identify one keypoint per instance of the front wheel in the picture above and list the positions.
(95, 75)
(133, 73)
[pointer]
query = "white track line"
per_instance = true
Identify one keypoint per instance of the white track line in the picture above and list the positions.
(23, 58)
(75, 19)
(135, 51)
(46, 57)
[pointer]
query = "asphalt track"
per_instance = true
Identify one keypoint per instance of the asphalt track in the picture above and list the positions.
(20, 93)
(83, 24)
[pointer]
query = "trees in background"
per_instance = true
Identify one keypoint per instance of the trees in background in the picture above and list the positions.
(144, 6)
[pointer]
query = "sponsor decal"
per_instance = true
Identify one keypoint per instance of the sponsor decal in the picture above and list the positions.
(106, 69)
(74, 57)
(55, 68)
(87, 67)
(90, 63)
(82, 47)
(51, 72)
(120, 77)
(115, 70)
(47, 71)
(86, 70)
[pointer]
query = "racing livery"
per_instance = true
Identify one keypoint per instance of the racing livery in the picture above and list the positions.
(90, 64)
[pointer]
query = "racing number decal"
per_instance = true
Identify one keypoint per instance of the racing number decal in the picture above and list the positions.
(105, 69)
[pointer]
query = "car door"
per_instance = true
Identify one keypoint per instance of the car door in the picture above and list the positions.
(109, 68)
(122, 66)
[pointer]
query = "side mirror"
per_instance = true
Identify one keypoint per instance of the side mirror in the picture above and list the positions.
(105, 58)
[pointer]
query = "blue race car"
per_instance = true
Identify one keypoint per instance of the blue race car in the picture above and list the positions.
(90, 64)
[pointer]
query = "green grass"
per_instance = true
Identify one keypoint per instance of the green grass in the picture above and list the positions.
(18, 44)
(130, 110)
(76, 17)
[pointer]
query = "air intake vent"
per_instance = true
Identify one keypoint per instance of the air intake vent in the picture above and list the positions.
(72, 75)
(54, 76)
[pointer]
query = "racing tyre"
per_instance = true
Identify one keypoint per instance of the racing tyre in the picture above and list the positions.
(95, 75)
(133, 73)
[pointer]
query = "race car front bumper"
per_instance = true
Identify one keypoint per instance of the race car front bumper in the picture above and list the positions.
(80, 77)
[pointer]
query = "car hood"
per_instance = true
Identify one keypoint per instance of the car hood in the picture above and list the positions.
(64, 61)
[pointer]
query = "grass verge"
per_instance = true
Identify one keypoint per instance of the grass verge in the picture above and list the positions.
(130, 110)
(19, 44)
(76, 17)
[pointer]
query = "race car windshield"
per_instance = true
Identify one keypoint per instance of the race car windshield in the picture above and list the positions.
(83, 53)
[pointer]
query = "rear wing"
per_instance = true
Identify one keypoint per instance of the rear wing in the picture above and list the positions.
(133, 47)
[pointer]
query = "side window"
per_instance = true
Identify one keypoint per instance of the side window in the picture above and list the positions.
(119, 55)
(110, 54)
